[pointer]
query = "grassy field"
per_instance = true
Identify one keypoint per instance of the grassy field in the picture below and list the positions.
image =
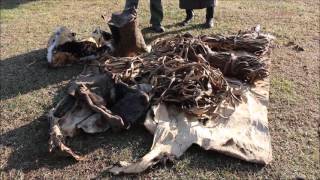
(29, 89)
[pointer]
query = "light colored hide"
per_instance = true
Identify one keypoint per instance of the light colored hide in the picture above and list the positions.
(240, 131)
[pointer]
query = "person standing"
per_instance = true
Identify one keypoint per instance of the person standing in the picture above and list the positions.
(156, 13)
(190, 5)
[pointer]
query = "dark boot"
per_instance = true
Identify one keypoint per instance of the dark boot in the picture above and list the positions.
(157, 28)
(156, 16)
(209, 17)
(209, 23)
(189, 17)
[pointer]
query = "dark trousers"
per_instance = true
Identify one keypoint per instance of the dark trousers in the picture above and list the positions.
(156, 10)
(209, 15)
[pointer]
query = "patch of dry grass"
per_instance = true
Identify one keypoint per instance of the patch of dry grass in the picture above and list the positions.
(29, 91)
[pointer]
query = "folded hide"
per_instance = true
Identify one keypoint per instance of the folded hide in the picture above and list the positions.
(127, 37)
(94, 103)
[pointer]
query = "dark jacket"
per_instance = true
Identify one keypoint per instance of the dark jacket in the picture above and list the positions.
(196, 4)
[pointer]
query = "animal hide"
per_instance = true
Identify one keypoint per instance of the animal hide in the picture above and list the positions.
(94, 103)
(239, 131)
(236, 124)
(101, 37)
(64, 49)
(127, 37)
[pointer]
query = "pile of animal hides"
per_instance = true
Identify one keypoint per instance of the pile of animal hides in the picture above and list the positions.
(210, 90)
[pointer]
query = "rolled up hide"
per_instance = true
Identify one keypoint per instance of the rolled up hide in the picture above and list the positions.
(128, 39)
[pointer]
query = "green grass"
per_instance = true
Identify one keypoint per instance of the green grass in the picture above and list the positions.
(284, 90)
(29, 89)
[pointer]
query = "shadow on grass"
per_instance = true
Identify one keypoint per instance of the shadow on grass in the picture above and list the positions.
(20, 75)
(150, 36)
(215, 161)
(202, 160)
(30, 151)
(11, 4)
(29, 146)
(29, 72)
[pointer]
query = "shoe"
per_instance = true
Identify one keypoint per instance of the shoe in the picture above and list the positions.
(209, 23)
(188, 19)
(158, 28)
(185, 22)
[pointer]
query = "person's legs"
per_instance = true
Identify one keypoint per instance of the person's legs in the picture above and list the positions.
(210, 12)
(156, 15)
(189, 13)
(209, 17)
(189, 16)
(131, 4)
